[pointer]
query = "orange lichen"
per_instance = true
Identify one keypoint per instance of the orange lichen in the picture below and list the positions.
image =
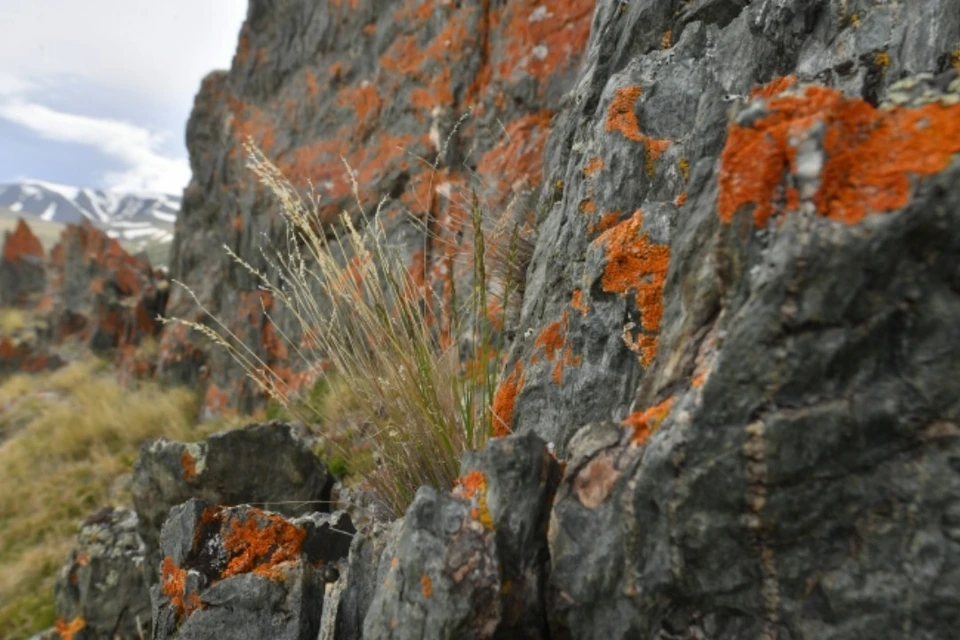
(622, 118)
(551, 338)
(189, 465)
(699, 380)
(634, 263)
(21, 243)
(773, 88)
(607, 221)
(518, 155)
(541, 39)
(681, 199)
(588, 207)
(313, 87)
(593, 166)
(473, 486)
(645, 423)
(666, 40)
(68, 630)
(427, 585)
(578, 304)
(870, 155)
(504, 401)
(259, 542)
(568, 360)
(173, 582)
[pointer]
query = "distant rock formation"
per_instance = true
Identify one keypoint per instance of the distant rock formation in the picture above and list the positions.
(22, 272)
(88, 289)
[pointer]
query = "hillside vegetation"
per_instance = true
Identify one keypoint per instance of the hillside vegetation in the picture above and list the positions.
(67, 442)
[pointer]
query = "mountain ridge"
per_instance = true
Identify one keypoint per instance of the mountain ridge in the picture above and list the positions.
(124, 216)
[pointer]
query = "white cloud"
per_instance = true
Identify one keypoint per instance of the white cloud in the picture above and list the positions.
(155, 50)
(12, 85)
(133, 146)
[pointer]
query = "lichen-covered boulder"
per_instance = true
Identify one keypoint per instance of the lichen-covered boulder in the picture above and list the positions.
(472, 564)
(268, 465)
(102, 590)
(244, 573)
(791, 469)
(22, 270)
(661, 82)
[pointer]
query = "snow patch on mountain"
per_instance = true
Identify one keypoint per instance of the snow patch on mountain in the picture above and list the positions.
(128, 216)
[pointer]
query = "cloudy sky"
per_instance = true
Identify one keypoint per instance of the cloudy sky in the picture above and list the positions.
(96, 93)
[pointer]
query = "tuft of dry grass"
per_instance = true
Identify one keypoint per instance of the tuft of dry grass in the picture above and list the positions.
(66, 438)
(12, 321)
(423, 392)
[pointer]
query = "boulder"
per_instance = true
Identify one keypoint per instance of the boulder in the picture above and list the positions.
(244, 573)
(790, 470)
(266, 465)
(102, 590)
(472, 564)
(22, 270)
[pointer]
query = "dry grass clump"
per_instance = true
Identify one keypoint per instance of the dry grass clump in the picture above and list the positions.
(66, 439)
(421, 391)
(12, 321)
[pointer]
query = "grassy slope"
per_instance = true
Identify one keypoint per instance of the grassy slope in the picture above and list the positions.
(67, 440)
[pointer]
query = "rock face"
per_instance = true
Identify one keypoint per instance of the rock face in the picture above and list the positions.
(267, 465)
(22, 272)
(612, 305)
(388, 86)
(740, 327)
(102, 591)
(472, 564)
(245, 573)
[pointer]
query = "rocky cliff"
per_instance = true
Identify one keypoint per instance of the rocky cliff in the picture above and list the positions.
(739, 329)
(384, 88)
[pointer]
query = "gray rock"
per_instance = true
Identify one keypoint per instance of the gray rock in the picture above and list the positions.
(241, 572)
(267, 465)
(103, 583)
(804, 486)
(665, 72)
(347, 600)
(472, 564)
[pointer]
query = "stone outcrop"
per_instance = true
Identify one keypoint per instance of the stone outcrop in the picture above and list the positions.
(417, 96)
(267, 465)
(609, 307)
(241, 572)
(102, 590)
(739, 330)
(88, 291)
(472, 564)
(100, 293)
(22, 270)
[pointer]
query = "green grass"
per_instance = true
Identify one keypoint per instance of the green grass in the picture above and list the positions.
(65, 440)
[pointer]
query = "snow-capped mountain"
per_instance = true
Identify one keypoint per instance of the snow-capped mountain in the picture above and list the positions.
(133, 217)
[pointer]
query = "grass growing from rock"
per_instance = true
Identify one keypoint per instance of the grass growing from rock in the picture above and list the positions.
(67, 440)
(414, 372)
